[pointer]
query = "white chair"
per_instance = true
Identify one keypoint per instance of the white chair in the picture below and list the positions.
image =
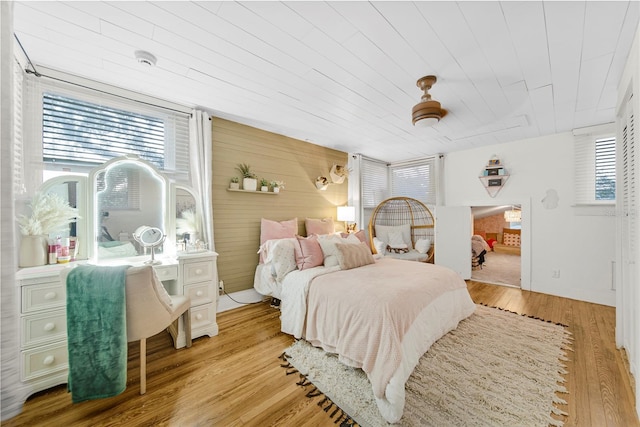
(150, 309)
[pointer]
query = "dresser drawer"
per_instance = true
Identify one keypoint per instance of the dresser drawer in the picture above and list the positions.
(202, 316)
(166, 273)
(41, 328)
(43, 361)
(200, 293)
(195, 272)
(43, 296)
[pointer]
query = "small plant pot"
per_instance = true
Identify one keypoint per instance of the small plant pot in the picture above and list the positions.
(234, 185)
(276, 189)
(249, 184)
(264, 188)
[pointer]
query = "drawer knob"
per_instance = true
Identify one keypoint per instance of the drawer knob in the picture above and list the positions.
(198, 271)
(199, 293)
(50, 295)
(198, 316)
(48, 360)
(49, 326)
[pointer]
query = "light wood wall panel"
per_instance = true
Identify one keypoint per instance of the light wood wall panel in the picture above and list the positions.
(236, 216)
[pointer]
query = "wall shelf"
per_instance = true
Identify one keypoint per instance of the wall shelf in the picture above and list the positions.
(253, 191)
(493, 177)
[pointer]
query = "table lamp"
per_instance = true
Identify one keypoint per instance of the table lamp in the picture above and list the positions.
(346, 214)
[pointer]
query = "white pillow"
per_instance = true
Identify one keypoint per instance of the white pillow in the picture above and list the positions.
(423, 245)
(380, 246)
(282, 257)
(329, 249)
(382, 232)
(396, 241)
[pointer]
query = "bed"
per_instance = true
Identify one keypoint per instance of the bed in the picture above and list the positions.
(380, 315)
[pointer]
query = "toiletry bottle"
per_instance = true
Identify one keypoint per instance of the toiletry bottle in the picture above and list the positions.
(63, 252)
(73, 247)
(53, 252)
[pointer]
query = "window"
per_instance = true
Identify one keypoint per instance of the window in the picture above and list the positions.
(375, 183)
(595, 169)
(80, 132)
(605, 170)
(415, 180)
(72, 128)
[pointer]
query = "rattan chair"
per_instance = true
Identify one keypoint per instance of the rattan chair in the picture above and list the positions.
(405, 210)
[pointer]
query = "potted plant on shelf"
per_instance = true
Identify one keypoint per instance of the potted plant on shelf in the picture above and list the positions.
(235, 183)
(50, 213)
(277, 185)
(249, 179)
(264, 185)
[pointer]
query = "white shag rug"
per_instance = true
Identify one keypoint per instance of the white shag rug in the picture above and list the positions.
(496, 369)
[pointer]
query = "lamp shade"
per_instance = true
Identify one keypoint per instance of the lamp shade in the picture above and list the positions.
(346, 213)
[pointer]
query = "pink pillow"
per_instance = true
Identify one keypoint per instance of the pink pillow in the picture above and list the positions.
(359, 234)
(308, 252)
(270, 230)
(319, 226)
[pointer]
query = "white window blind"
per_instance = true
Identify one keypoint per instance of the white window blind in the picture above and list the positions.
(415, 180)
(595, 169)
(78, 128)
(605, 169)
(375, 183)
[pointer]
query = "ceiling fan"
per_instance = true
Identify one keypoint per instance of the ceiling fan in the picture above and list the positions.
(427, 112)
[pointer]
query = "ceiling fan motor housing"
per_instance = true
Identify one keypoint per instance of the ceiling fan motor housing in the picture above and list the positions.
(428, 110)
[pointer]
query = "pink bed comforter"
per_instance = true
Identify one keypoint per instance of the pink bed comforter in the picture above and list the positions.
(369, 314)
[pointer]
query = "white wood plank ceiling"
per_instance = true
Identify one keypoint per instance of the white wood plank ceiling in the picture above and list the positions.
(343, 74)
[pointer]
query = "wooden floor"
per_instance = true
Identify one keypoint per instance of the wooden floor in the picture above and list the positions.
(235, 378)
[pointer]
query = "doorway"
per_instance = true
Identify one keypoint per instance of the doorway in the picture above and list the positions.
(500, 227)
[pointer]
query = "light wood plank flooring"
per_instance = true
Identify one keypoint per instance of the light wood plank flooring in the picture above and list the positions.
(235, 378)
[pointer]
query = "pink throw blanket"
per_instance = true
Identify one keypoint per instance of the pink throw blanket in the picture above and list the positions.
(363, 314)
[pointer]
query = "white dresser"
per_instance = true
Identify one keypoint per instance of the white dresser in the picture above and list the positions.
(43, 320)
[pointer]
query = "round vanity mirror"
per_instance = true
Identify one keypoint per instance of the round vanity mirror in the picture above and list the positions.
(149, 237)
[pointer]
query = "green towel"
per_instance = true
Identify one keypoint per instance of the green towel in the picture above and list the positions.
(96, 331)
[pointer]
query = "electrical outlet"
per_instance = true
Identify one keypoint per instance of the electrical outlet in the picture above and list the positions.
(555, 274)
(220, 287)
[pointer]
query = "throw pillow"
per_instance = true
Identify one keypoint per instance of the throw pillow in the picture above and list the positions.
(423, 245)
(282, 258)
(319, 226)
(396, 240)
(308, 252)
(382, 232)
(328, 244)
(270, 230)
(380, 246)
(353, 256)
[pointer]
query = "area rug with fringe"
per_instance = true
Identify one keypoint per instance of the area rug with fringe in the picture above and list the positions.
(497, 368)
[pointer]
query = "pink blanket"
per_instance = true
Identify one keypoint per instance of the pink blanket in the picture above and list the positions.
(364, 314)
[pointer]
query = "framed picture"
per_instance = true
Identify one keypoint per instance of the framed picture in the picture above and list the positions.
(495, 182)
(494, 171)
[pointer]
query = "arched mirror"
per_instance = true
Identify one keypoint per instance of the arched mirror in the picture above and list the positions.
(73, 190)
(127, 193)
(188, 220)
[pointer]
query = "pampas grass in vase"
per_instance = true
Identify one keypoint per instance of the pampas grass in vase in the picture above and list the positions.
(50, 213)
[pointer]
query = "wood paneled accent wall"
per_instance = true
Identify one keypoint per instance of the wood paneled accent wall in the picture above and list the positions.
(236, 216)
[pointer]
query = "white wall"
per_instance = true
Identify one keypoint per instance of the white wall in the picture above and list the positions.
(580, 242)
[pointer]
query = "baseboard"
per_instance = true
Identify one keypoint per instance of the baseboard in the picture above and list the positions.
(248, 296)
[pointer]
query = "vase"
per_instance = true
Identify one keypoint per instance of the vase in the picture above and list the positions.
(276, 189)
(33, 251)
(249, 184)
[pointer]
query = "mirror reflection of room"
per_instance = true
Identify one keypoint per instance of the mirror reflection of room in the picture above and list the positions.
(127, 196)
